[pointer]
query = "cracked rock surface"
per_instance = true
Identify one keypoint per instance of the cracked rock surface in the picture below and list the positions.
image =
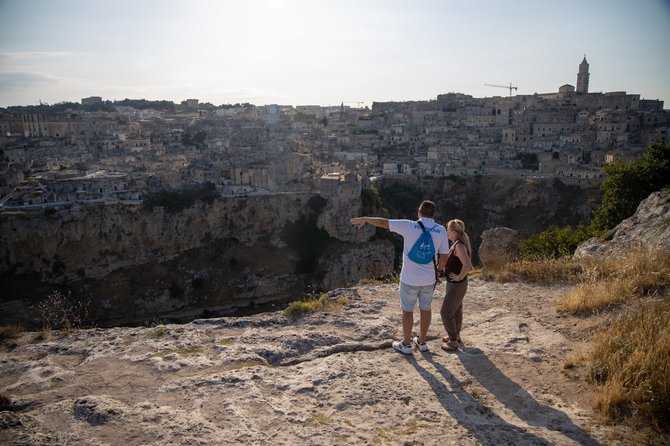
(323, 378)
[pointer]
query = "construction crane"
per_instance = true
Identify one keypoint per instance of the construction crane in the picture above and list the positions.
(358, 103)
(510, 86)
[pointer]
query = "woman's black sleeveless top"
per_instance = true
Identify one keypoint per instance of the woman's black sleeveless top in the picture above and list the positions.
(454, 264)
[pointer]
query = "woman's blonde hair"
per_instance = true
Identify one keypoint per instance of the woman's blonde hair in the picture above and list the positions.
(459, 227)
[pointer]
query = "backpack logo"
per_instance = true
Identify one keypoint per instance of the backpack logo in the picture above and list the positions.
(423, 250)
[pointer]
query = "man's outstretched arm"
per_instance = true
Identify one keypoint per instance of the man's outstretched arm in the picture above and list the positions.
(374, 221)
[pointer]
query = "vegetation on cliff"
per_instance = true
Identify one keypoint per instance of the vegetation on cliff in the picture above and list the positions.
(402, 199)
(306, 238)
(627, 183)
(178, 200)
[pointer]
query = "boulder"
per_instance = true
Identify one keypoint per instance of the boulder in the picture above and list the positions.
(499, 246)
(649, 227)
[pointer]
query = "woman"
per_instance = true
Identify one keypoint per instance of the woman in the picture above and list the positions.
(457, 269)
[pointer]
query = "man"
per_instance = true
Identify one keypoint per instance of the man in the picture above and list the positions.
(417, 281)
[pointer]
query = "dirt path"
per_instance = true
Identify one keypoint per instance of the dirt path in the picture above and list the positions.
(328, 378)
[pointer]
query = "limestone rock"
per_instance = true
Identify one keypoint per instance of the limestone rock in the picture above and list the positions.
(96, 409)
(347, 264)
(319, 378)
(335, 219)
(499, 246)
(649, 227)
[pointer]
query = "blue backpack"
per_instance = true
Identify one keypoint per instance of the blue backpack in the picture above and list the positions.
(423, 250)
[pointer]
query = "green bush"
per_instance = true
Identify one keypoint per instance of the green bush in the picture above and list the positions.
(627, 183)
(555, 242)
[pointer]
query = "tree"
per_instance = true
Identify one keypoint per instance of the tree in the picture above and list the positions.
(628, 183)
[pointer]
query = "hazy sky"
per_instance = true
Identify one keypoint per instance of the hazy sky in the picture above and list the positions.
(325, 52)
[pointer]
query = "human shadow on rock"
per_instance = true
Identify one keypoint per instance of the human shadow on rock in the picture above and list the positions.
(480, 421)
(518, 400)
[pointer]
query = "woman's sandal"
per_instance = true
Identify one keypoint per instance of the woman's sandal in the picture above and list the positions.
(446, 339)
(450, 346)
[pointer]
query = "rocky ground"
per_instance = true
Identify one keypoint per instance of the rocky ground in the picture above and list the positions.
(327, 378)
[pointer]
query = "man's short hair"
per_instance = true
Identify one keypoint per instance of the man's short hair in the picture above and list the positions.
(427, 209)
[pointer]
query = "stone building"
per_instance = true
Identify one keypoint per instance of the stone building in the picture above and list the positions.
(583, 77)
(35, 125)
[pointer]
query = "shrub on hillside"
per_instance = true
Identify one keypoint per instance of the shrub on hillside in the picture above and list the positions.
(627, 183)
(401, 199)
(61, 311)
(308, 240)
(555, 242)
(372, 202)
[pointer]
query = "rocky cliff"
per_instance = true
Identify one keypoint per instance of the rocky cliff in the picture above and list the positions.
(526, 205)
(133, 263)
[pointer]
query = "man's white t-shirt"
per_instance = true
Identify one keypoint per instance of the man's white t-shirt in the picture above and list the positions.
(413, 273)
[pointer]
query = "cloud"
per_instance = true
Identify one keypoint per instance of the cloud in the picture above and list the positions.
(19, 80)
(24, 56)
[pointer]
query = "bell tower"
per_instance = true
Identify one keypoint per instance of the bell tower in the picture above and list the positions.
(583, 77)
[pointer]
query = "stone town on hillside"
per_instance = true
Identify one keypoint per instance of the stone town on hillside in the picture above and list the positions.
(112, 152)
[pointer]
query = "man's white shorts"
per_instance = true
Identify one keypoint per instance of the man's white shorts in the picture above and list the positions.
(409, 294)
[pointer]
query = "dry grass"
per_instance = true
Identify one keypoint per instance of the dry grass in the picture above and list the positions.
(601, 281)
(320, 419)
(226, 341)
(158, 331)
(238, 365)
(11, 332)
(614, 280)
(630, 362)
(544, 272)
(183, 352)
(629, 359)
(323, 303)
